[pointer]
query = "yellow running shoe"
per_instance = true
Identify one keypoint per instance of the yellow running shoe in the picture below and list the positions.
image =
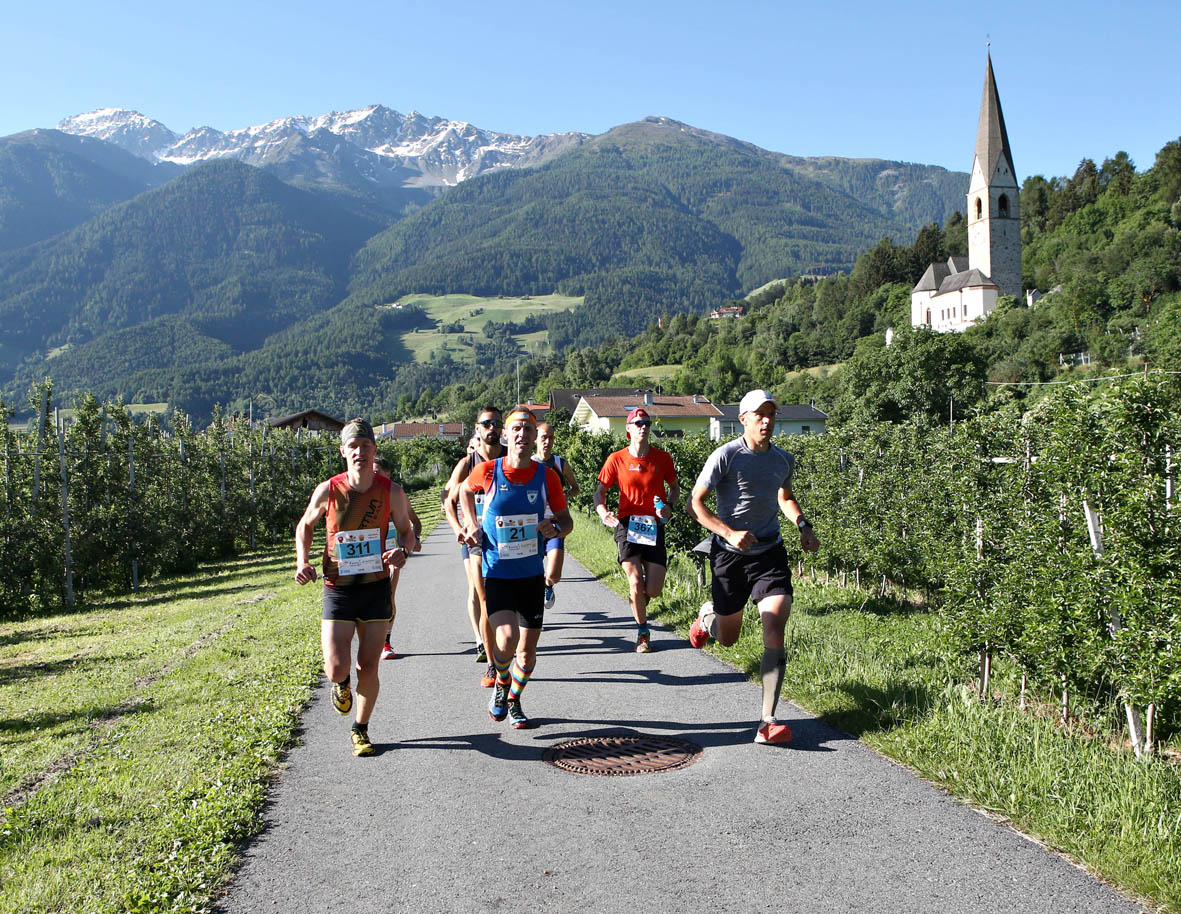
(342, 697)
(361, 744)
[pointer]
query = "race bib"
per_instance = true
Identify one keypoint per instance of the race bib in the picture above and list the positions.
(516, 536)
(358, 551)
(641, 529)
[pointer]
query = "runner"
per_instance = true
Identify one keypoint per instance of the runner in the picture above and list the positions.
(356, 563)
(555, 549)
(752, 478)
(520, 493)
(485, 446)
(383, 467)
(642, 472)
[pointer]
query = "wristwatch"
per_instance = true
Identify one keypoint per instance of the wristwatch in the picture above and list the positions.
(803, 522)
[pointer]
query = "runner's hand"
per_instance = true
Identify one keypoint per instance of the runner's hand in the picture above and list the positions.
(741, 540)
(609, 519)
(548, 529)
(394, 558)
(665, 513)
(809, 542)
(305, 573)
(470, 536)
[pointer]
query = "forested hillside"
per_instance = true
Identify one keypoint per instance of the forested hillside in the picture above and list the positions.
(1107, 241)
(650, 217)
(235, 252)
(51, 181)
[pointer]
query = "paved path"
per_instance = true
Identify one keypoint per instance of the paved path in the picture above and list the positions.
(459, 814)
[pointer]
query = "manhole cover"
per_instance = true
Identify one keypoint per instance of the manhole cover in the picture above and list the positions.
(621, 756)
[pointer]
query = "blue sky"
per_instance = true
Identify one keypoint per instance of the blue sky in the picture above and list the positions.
(897, 81)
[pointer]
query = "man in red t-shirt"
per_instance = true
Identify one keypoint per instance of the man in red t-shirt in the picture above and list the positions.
(647, 483)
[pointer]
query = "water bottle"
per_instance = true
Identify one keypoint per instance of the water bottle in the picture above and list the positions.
(658, 503)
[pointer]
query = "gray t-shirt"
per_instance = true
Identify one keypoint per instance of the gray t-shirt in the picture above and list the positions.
(747, 484)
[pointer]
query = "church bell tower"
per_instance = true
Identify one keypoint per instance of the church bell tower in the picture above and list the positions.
(994, 213)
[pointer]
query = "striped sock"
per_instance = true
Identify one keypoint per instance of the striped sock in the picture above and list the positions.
(502, 669)
(520, 680)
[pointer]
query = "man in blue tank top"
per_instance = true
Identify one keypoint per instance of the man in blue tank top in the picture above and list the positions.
(512, 534)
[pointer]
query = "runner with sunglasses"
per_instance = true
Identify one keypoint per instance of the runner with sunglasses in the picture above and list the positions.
(486, 439)
(647, 483)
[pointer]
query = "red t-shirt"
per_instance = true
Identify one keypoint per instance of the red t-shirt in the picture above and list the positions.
(481, 478)
(640, 479)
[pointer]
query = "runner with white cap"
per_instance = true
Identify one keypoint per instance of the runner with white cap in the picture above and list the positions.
(752, 480)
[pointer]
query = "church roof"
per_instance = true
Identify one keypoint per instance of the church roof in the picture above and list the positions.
(965, 280)
(936, 273)
(957, 264)
(992, 140)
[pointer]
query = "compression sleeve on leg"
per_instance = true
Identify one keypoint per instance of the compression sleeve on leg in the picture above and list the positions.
(772, 668)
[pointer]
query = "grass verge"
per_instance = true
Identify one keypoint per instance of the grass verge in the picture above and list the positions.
(139, 737)
(877, 671)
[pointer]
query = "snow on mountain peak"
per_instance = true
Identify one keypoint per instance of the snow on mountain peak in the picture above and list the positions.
(439, 150)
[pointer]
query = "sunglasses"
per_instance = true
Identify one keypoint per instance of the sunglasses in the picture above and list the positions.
(642, 423)
(490, 423)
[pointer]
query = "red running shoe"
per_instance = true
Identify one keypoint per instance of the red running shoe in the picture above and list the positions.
(772, 731)
(387, 652)
(697, 633)
(488, 680)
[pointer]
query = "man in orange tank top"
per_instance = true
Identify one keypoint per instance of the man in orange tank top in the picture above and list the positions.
(356, 599)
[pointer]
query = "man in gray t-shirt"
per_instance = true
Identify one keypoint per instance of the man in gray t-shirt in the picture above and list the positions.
(752, 479)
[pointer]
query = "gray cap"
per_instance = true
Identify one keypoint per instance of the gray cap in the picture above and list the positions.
(357, 428)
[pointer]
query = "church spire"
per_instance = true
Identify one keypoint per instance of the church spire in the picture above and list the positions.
(992, 140)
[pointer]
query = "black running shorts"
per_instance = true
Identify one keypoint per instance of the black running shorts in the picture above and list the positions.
(524, 596)
(634, 552)
(358, 602)
(738, 577)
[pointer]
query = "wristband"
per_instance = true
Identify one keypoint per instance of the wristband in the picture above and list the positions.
(803, 522)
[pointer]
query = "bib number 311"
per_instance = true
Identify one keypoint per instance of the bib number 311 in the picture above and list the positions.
(358, 551)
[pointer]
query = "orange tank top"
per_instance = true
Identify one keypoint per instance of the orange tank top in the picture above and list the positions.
(350, 511)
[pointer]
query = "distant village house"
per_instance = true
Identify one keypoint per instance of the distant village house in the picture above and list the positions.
(676, 416)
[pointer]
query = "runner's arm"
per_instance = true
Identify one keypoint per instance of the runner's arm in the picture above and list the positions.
(451, 493)
(304, 530)
(570, 479)
(560, 525)
(791, 509)
(400, 515)
(606, 515)
(739, 539)
(469, 534)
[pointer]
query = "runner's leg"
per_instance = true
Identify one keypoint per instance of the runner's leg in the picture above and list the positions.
(774, 612)
(370, 636)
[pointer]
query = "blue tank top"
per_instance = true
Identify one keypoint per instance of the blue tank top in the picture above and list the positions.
(512, 546)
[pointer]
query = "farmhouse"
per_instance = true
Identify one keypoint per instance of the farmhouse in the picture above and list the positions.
(790, 419)
(674, 416)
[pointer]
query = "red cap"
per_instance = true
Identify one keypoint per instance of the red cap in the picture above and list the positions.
(636, 413)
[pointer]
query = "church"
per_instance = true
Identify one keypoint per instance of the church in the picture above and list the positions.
(955, 294)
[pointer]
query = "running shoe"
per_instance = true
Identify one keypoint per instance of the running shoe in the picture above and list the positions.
(772, 731)
(361, 743)
(342, 697)
(697, 633)
(643, 643)
(550, 597)
(498, 703)
(481, 655)
(488, 680)
(387, 652)
(516, 717)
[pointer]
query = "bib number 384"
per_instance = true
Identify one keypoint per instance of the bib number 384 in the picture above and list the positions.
(516, 535)
(641, 529)
(358, 551)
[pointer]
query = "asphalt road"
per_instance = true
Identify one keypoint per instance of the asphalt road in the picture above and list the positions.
(457, 813)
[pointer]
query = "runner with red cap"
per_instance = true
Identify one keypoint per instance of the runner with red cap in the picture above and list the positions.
(648, 491)
(752, 480)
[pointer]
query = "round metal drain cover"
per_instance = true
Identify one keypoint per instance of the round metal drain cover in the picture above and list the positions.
(621, 756)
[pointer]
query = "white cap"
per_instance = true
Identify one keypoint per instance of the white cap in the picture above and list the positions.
(753, 400)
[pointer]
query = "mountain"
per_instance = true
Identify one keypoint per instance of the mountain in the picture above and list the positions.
(232, 249)
(651, 217)
(420, 151)
(51, 181)
(274, 277)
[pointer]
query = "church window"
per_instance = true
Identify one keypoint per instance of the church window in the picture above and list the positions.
(979, 208)
(1003, 205)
